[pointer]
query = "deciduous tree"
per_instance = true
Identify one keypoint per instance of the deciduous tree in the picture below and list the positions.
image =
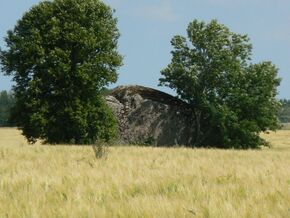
(61, 54)
(232, 100)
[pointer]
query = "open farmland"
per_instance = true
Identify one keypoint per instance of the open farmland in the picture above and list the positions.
(68, 181)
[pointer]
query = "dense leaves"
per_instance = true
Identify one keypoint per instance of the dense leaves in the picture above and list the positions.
(232, 100)
(6, 102)
(61, 54)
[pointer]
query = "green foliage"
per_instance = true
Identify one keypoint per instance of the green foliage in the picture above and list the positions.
(232, 100)
(284, 112)
(6, 103)
(61, 54)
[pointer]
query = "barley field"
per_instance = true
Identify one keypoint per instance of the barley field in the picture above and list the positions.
(68, 181)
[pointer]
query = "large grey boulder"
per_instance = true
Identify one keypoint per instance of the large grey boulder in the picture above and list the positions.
(149, 116)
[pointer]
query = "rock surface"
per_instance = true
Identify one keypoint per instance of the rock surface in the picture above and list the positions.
(149, 116)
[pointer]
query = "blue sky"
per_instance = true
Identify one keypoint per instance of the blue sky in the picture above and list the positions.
(147, 27)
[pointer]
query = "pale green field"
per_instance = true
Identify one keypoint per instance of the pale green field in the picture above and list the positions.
(62, 181)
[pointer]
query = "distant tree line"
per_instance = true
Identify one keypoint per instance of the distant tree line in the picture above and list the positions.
(284, 113)
(7, 100)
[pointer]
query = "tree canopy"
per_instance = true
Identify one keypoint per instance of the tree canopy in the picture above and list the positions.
(61, 54)
(7, 101)
(232, 99)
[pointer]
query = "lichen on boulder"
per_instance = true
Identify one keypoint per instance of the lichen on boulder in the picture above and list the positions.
(148, 116)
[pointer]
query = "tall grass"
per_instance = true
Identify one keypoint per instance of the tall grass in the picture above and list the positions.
(63, 181)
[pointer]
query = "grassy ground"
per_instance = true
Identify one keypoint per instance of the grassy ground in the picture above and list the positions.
(62, 181)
